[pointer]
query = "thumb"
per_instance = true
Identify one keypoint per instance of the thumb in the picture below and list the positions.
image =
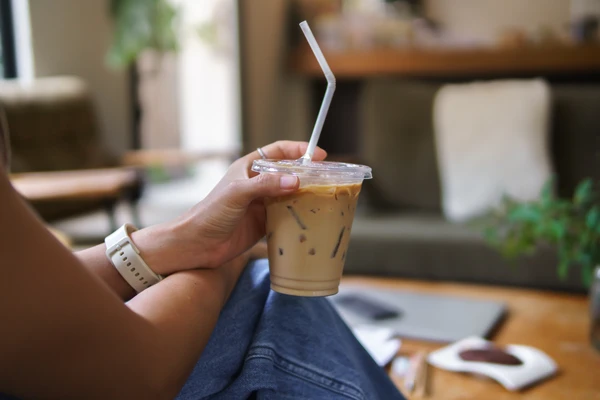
(264, 185)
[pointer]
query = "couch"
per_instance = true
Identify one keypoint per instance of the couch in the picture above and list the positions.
(399, 228)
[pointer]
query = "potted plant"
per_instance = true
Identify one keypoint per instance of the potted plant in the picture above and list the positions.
(571, 226)
(145, 39)
(142, 26)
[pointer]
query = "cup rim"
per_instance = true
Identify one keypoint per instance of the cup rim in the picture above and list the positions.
(314, 169)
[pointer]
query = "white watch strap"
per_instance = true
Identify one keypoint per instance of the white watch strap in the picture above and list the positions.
(125, 256)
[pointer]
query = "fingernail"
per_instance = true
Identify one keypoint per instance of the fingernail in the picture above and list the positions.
(288, 182)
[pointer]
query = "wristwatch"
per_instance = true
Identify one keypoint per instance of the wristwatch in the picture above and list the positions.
(125, 256)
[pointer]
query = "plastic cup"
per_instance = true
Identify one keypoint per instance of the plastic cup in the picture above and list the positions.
(308, 231)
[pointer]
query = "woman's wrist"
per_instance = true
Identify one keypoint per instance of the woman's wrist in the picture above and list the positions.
(169, 248)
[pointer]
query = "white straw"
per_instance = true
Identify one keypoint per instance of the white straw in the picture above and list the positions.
(316, 133)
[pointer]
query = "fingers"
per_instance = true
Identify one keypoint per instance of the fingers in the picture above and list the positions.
(288, 150)
(282, 150)
(243, 191)
(253, 186)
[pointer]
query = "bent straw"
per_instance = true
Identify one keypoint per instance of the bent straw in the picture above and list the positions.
(316, 133)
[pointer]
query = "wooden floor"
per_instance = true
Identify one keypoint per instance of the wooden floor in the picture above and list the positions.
(555, 323)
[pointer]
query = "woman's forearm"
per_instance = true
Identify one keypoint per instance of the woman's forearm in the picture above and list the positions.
(95, 260)
(183, 309)
(158, 247)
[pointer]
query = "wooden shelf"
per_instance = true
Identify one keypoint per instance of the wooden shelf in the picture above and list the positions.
(447, 63)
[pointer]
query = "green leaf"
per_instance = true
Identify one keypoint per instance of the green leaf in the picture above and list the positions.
(561, 207)
(141, 25)
(571, 225)
(583, 258)
(585, 238)
(587, 273)
(558, 230)
(525, 213)
(592, 219)
(583, 192)
(491, 235)
(563, 269)
(547, 194)
(563, 264)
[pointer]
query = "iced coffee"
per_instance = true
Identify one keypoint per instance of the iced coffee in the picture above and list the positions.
(308, 232)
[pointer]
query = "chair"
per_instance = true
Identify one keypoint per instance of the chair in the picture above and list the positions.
(59, 161)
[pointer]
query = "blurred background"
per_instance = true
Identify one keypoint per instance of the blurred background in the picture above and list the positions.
(170, 91)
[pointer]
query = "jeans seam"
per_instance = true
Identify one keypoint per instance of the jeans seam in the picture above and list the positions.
(305, 373)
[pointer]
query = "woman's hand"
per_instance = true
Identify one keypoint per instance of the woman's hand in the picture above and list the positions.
(230, 220)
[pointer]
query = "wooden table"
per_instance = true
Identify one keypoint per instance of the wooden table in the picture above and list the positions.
(555, 323)
(107, 185)
(73, 185)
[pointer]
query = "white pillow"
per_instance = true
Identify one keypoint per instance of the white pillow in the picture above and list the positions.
(492, 140)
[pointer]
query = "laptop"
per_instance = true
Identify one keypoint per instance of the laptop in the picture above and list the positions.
(436, 318)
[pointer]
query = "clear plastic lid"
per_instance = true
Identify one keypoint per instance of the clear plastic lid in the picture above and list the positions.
(320, 169)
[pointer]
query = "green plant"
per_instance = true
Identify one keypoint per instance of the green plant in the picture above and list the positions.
(572, 226)
(141, 25)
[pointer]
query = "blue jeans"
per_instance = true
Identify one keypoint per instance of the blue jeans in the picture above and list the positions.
(271, 346)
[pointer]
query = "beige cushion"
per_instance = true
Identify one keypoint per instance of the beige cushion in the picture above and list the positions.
(492, 141)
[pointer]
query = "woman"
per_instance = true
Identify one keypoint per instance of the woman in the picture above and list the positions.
(72, 327)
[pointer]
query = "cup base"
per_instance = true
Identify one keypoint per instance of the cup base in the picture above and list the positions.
(303, 292)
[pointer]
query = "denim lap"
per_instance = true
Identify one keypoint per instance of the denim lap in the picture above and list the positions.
(272, 346)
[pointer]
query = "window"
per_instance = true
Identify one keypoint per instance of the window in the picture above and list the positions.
(8, 65)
